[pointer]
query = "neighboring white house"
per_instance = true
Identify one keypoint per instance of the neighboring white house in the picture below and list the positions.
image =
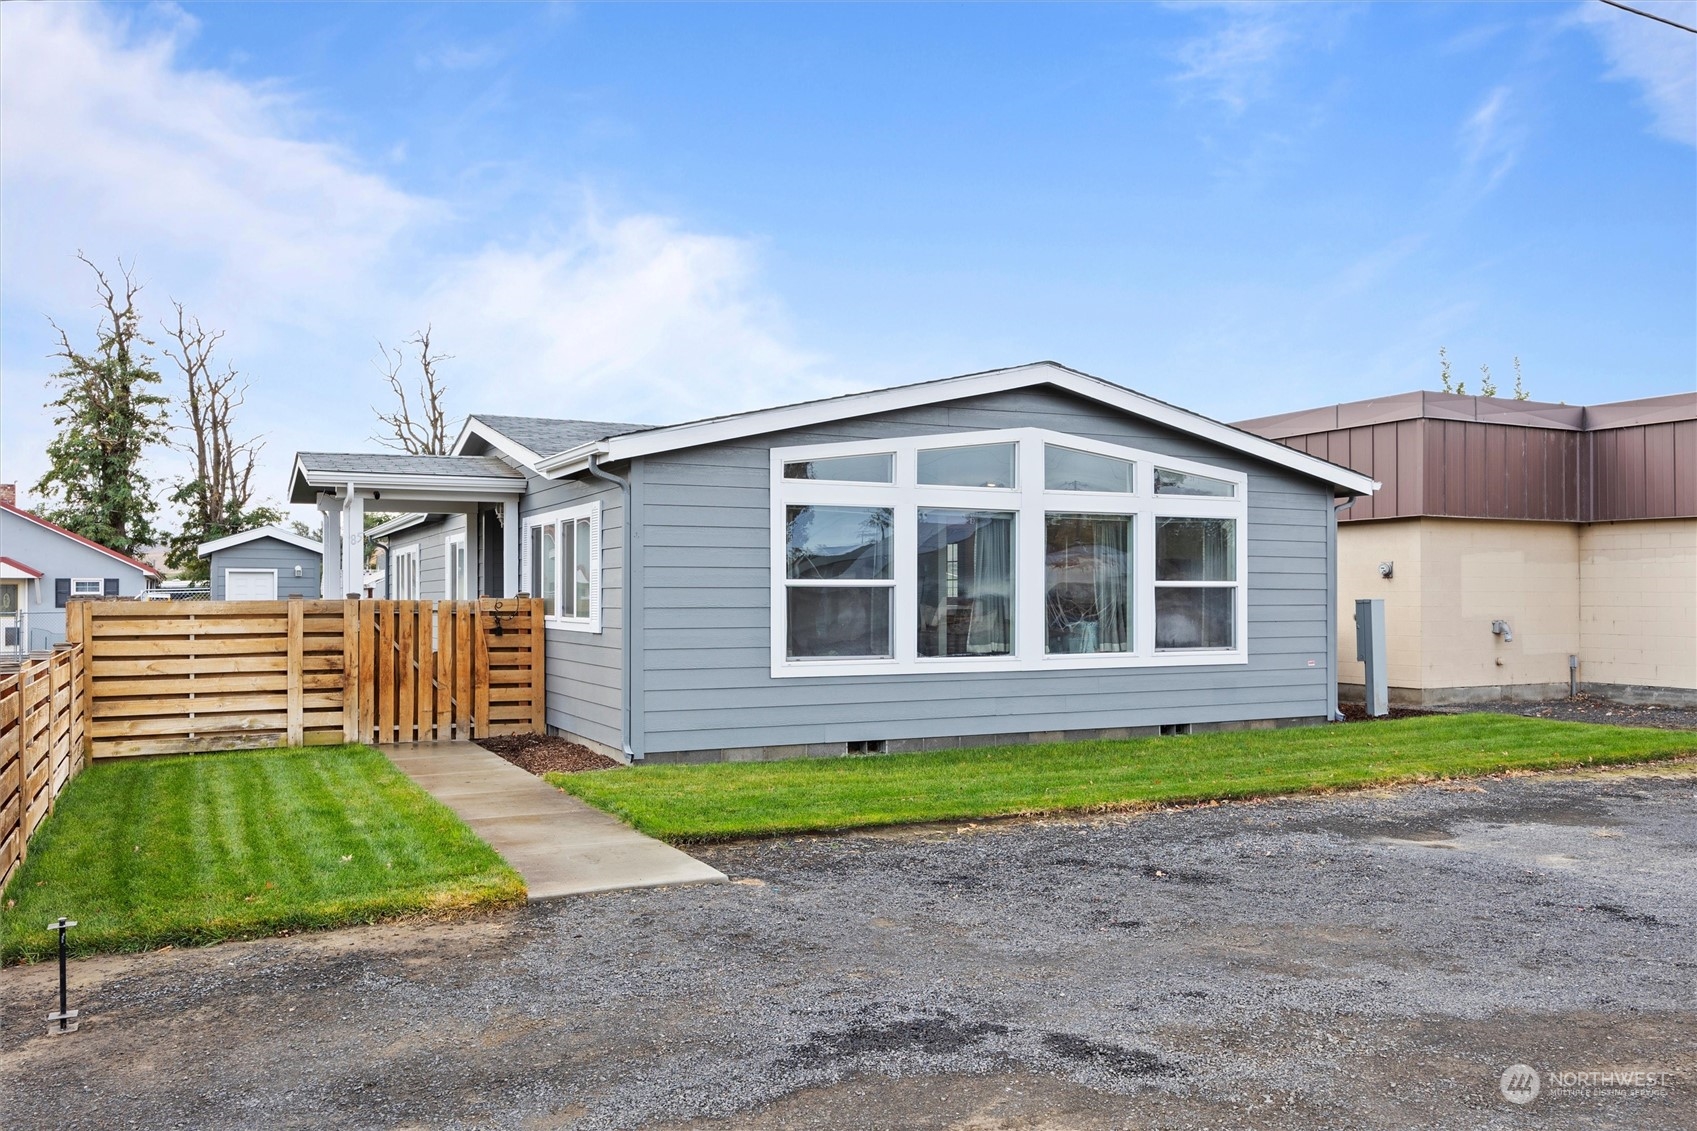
(43, 566)
(266, 563)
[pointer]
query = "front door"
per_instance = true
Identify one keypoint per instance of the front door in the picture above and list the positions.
(11, 616)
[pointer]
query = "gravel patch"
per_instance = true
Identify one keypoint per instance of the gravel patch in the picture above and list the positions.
(1583, 708)
(1370, 959)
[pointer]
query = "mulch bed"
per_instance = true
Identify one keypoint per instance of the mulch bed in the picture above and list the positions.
(1581, 708)
(546, 754)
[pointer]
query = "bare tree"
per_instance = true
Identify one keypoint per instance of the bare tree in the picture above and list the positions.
(421, 429)
(218, 499)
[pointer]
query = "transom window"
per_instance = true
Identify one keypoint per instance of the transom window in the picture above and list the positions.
(1021, 549)
(560, 562)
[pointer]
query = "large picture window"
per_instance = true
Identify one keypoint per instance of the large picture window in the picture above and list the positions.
(562, 566)
(1020, 549)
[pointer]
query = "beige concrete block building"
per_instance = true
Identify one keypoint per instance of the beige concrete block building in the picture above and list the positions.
(1511, 539)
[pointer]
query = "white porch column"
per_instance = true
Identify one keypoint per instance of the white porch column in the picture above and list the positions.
(473, 551)
(330, 575)
(353, 544)
(510, 548)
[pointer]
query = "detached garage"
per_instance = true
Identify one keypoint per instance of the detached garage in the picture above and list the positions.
(264, 564)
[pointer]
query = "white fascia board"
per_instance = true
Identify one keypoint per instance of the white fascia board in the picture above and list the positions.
(811, 413)
(445, 487)
(397, 524)
(511, 448)
(280, 535)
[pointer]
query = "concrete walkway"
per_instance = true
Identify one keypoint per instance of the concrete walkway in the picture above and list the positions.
(559, 844)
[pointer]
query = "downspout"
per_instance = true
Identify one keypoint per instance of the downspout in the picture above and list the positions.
(629, 650)
(1332, 617)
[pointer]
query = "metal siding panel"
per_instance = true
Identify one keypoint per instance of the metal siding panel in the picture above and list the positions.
(1684, 471)
(1659, 497)
(1474, 479)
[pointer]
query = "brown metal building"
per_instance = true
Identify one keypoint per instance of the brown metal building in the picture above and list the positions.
(1574, 525)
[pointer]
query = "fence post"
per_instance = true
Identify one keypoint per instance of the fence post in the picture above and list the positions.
(352, 674)
(297, 661)
(480, 669)
(538, 668)
(87, 620)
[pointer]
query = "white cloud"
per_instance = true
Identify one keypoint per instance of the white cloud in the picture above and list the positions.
(1660, 60)
(305, 255)
(1234, 62)
(1491, 141)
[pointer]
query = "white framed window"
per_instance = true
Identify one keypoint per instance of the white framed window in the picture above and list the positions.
(1015, 550)
(87, 586)
(403, 573)
(455, 571)
(560, 562)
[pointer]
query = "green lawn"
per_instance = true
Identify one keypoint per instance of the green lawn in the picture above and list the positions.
(721, 801)
(186, 850)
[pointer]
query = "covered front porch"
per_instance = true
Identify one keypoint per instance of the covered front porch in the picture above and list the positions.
(346, 485)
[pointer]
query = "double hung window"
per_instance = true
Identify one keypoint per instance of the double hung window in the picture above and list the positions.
(561, 564)
(1020, 549)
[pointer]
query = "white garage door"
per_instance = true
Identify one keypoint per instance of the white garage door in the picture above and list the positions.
(250, 585)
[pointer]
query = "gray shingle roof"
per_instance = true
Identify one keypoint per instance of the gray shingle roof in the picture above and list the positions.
(546, 435)
(397, 463)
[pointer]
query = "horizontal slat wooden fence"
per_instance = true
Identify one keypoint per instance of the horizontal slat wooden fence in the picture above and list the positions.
(166, 678)
(43, 745)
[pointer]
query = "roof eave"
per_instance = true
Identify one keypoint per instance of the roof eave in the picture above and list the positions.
(721, 429)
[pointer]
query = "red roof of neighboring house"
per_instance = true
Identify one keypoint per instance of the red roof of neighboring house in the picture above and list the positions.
(16, 564)
(75, 537)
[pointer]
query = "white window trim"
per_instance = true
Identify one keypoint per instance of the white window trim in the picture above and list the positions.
(561, 519)
(450, 568)
(99, 584)
(245, 570)
(392, 567)
(1030, 501)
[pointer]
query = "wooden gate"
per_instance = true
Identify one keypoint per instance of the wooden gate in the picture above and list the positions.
(164, 677)
(436, 670)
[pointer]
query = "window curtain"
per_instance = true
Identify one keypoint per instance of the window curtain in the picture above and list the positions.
(1113, 556)
(990, 631)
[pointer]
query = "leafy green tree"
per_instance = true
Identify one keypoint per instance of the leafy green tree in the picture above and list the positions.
(109, 416)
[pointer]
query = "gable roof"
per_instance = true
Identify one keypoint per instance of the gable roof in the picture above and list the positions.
(255, 535)
(398, 472)
(720, 429)
(125, 559)
(12, 567)
(530, 439)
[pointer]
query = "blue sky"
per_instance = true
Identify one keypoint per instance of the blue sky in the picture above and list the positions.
(655, 213)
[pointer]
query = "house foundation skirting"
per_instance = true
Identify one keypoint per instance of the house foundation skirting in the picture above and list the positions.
(956, 742)
(1525, 693)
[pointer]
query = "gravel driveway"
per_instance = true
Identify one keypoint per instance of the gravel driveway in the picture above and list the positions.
(1369, 960)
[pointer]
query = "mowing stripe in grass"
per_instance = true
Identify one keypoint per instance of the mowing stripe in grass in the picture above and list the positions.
(195, 849)
(711, 802)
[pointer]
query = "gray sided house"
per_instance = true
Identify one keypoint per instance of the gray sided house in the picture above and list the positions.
(43, 567)
(264, 564)
(1006, 556)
